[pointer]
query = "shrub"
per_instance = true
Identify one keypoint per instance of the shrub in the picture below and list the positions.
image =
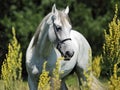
(11, 68)
(111, 47)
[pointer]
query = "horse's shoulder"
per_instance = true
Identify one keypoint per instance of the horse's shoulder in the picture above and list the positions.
(77, 35)
(79, 38)
(75, 32)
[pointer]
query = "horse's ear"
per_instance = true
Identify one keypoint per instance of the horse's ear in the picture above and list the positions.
(54, 10)
(67, 10)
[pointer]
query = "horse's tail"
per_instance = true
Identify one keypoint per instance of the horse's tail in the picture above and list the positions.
(96, 84)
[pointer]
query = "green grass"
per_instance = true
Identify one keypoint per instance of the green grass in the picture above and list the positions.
(1, 85)
(71, 81)
(24, 86)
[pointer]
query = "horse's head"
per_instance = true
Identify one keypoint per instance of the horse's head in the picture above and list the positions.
(59, 32)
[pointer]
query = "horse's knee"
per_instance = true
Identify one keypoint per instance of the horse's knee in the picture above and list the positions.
(80, 74)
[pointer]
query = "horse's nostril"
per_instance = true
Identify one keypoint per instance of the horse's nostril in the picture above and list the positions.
(69, 54)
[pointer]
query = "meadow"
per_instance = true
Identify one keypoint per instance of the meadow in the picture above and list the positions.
(71, 83)
(108, 61)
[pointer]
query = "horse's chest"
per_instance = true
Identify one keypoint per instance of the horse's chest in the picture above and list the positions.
(35, 67)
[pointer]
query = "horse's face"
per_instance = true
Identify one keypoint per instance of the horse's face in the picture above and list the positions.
(59, 32)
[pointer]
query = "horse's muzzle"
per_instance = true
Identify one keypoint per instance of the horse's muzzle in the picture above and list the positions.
(61, 47)
(68, 55)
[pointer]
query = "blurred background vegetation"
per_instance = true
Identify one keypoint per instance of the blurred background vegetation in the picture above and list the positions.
(89, 17)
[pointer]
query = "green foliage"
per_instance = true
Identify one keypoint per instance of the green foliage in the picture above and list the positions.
(25, 21)
(89, 25)
(111, 47)
(11, 68)
(23, 15)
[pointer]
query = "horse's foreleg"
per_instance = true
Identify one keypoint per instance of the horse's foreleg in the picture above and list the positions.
(33, 82)
(80, 74)
(63, 85)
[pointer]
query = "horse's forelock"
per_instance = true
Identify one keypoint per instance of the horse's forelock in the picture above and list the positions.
(64, 17)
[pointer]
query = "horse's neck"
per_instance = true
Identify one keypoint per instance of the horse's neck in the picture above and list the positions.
(44, 45)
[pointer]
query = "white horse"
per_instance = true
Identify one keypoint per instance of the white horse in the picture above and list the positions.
(55, 38)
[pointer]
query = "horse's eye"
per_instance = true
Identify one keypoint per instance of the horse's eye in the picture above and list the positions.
(58, 28)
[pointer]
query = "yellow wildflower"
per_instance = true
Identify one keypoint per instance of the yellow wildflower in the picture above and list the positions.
(44, 78)
(11, 68)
